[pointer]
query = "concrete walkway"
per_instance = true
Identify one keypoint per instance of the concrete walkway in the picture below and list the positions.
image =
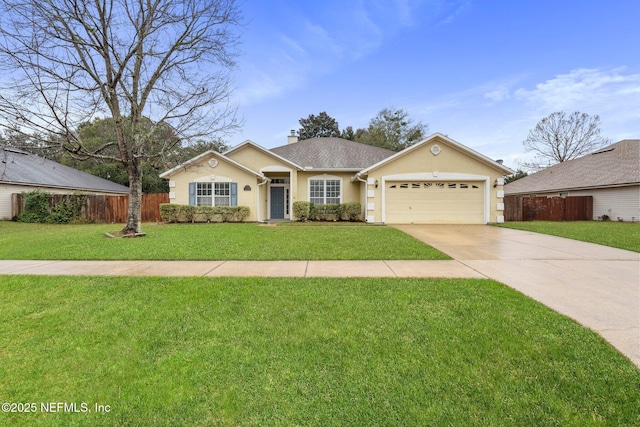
(243, 268)
(596, 285)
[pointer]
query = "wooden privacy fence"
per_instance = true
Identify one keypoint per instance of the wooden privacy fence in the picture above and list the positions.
(102, 208)
(525, 208)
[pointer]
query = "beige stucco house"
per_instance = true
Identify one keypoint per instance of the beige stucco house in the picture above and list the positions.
(437, 180)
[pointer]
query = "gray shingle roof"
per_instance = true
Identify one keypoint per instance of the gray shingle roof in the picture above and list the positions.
(19, 167)
(332, 153)
(617, 164)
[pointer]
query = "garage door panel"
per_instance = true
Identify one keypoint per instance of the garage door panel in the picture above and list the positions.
(434, 202)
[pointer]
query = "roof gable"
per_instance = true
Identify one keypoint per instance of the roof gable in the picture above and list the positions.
(20, 167)
(201, 157)
(332, 154)
(443, 140)
(250, 145)
(614, 165)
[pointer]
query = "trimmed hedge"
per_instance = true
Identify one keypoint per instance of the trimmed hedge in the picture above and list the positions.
(187, 213)
(307, 211)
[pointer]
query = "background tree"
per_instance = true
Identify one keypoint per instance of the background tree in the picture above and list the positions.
(318, 126)
(348, 133)
(69, 61)
(516, 176)
(392, 128)
(560, 137)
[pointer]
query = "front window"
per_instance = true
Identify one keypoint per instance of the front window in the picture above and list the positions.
(324, 191)
(213, 194)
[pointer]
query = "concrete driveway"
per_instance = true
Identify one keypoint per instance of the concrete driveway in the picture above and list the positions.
(596, 285)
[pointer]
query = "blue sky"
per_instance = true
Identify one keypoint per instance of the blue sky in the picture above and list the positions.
(481, 72)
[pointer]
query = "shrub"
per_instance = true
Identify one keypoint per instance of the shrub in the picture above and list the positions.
(352, 211)
(188, 213)
(36, 206)
(301, 211)
(169, 212)
(329, 212)
(41, 207)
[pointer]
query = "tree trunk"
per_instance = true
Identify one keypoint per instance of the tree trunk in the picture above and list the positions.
(134, 214)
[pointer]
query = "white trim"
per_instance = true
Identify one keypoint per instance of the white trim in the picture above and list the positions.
(172, 194)
(562, 190)
(312, 169)
(371, 180)
(258, 199)
(60, 187)
(500, 219)
(500, 194)
(172, 184)
(500, 207)
(371, 206)
(212, 178)
(446, 140)
(437, 176)
(371, 193)
(276, 168)
(371, 219)
(325, 177)
(196, 159)
(264, 150)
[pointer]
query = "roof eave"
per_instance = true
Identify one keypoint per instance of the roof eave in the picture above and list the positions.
(321, 169)
(199, 157)
(264, 150)
(64, 187)
(563, 189)
(505, 170)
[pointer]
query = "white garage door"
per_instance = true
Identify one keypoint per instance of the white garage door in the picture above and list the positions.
(423, 202)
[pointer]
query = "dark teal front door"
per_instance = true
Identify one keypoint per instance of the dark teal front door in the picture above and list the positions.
(277, 202)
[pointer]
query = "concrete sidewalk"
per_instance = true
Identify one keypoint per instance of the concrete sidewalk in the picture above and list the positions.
(454, 269)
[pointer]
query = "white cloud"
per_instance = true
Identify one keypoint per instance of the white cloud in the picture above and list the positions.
(498, 95)
(595, 90)
(460, 10)
(327, 37)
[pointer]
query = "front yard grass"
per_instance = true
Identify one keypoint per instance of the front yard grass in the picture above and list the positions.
(210, 242)
(623, 235)
(254, 352)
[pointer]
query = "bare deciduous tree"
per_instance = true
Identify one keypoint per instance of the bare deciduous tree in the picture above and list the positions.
(69, 61)
(560, 137)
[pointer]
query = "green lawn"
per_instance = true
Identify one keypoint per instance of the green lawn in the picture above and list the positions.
(623, 235)
(210, 242)
(232, 351)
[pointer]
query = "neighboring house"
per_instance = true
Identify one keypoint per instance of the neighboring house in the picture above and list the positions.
(611, 175)
(21, 171)
(437, 180)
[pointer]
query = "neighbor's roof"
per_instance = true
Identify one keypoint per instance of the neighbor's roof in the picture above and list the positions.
(332, 154)
(615, 165)
(20, 167)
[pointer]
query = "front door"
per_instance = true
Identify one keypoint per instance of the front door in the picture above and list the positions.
(277, 202)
